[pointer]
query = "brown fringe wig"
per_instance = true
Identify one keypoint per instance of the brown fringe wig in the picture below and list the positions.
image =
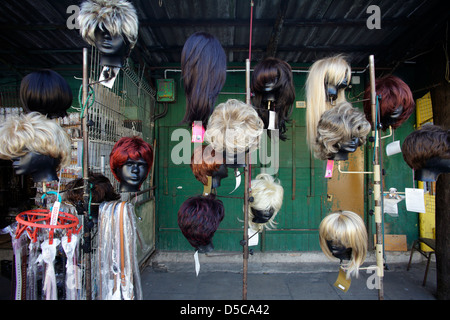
(428, 142)
(393, 92)
(204, 71)
(278, 73)
(198, 219)
(204, 164)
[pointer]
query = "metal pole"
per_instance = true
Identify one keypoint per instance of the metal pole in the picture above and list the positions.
(87, 228)
(246, 195)
(377, 182)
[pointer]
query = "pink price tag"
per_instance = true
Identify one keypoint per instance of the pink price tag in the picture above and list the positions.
(329, 169)
(197, 131)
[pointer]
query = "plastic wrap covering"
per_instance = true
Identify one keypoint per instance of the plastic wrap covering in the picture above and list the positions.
(117, 273)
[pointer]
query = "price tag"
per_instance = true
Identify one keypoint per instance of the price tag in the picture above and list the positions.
(272, 116)
(329, 169)
(197, 263)
(55, 213)
(198, 132)
(342, 283)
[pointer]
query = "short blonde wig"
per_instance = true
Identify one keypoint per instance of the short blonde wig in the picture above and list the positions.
(234, 127)
(34, 132)
(345, 228)
(116, 16)
(338, 126)
(334, 70)
(267, 194)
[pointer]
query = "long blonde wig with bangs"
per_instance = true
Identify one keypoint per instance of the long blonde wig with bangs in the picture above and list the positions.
(348, 229)
(333, 70)
(34, 132)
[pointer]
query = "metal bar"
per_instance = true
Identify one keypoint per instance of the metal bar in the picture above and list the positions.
(377, 182)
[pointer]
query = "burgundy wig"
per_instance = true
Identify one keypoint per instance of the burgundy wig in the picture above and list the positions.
(199, 217)
(129, 148)
(278, 73)
(393, 92)
(204, 71)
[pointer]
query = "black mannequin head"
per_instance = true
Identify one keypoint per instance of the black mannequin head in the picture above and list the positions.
(432, 169)
(42, 168)
(113, 49)
(219, 175)
(346, 148)
(339, 251)
(262, 216)
(132, 174)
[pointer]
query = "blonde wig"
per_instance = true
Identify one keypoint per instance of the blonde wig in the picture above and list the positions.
(267, 194)
(118, 17)
(234, 127)
(34, 132)
(332, 71)
(339, 126)
(347, 229)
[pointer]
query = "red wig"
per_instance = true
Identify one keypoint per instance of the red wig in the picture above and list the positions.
(129, 148)
(393, 92)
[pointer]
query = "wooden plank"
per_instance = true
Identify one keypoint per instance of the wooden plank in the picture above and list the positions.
(394, 242)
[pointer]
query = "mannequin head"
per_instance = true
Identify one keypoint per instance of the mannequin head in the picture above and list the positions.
(204, 163)
(427, 150)
(396, 102)
(34, 133)
(198, 219)
(267, 196)
(343, 235)
(341, 130)
(203, 68)
(111, 26)
(234, 127)
(130, 160)
(325, 88)
(46, 92)
(273, 87)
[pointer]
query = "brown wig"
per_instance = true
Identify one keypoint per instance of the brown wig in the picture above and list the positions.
(198, 219)
(204, 164)
(100, 186)
(428, 142)
(203, 68)
(46, 92)
(277, 74)
(393, 92)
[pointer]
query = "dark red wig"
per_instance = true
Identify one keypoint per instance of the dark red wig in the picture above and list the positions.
(393, 92)
(199, 217)
(129, 148)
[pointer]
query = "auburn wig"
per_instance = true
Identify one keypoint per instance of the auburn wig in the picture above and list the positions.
(278, 74)
(34, 132)
(204, 71)
(428, 142)
(199, 217)
(130, 148)
(118, 17)
(234, 127)
(333, 71)
(46, 92)
(267, 194)
(339, 126)
(345, 228)
(100, 186)
(204, 163)
(393, 92)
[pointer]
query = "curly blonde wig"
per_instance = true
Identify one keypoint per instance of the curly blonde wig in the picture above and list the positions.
(334, 71)
(234, 127)
(338, 126)
(345, 228)
(116, 16)
(34, 132)
(267, 194)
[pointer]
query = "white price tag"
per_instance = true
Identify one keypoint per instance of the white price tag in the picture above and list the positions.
(55, 213)
(253, 237)
(197, 263)
(415, 200)
(272, 116)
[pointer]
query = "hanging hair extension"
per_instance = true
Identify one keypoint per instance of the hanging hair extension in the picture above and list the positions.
(329, 72)
(339, 126)
(46, 92)
(118, 17)
(345, 228)
(204, 164)
(198, 219)
(130, 148)
(204, 71)
(267, 194)
(234, 127)
(34, 132)
(393, 92)
(278, 74)
(428, 142)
